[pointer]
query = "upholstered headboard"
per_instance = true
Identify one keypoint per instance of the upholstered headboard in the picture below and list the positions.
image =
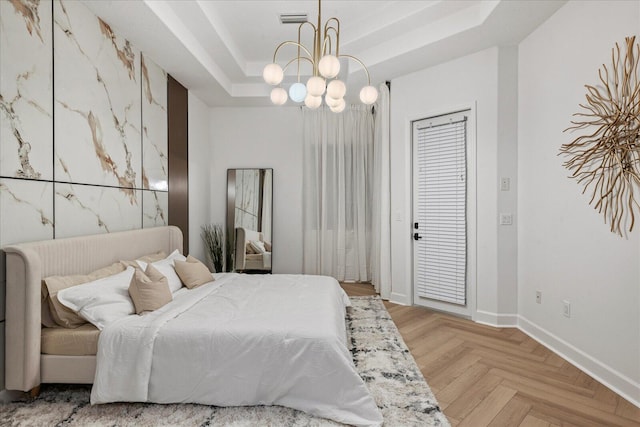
(28, 263)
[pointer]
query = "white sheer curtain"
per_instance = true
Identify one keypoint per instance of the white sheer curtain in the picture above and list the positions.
(338, 192)
(381, 203)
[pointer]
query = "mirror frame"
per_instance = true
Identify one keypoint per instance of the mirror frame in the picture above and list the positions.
(230, 240)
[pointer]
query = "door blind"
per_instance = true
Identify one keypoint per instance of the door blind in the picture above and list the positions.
(441, 208)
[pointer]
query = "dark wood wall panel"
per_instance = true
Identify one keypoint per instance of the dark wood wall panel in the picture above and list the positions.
(178, 115)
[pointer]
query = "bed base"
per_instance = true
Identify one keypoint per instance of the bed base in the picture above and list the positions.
(67, 369)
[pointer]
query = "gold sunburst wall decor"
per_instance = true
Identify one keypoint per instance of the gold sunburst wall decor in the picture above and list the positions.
(606, 158)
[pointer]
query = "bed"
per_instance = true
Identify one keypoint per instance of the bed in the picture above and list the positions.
(274, 339)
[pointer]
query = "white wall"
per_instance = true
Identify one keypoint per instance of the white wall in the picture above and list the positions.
(200, 153)
(468, 81)
(507, 285)
(263, 137)
(565, 249)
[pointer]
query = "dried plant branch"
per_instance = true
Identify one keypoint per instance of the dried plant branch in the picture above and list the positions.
(213, 238)
(607, 160)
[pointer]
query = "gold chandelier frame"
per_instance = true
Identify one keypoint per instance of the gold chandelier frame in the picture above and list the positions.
(326, 42)
(314, 58)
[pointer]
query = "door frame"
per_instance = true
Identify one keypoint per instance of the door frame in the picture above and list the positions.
(469, 310)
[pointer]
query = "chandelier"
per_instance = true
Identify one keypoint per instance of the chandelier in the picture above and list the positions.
(325, 62)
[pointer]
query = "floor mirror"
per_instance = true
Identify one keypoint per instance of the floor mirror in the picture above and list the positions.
(249, 245)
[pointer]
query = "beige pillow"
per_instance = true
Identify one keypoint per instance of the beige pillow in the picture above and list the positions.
(249, 249)
(267, 246)
(147, 258)
(60, 314)
(192, 272)
(149, 290)
(45, 312)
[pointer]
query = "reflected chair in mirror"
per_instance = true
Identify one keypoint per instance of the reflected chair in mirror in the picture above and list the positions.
(253, 253)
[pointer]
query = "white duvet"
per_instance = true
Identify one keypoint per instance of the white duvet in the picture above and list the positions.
(241, 340)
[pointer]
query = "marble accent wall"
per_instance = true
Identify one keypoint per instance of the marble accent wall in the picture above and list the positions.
(87, 209)
(97, 101)
(155, 171)
(83, 128)
(156, 208)
(155, 164)
(26, 104)
(27, 210)
(26, 121)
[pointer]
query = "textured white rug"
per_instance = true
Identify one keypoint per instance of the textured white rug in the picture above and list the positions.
(381, 357)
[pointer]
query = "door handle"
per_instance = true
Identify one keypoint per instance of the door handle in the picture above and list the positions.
(416, 236)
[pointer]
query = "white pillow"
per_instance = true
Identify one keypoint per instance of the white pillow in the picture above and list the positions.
(165, 266)
(102, 301)
(176, 255)
(257, 246)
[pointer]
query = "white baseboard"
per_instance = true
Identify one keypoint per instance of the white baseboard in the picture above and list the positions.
(608, 376)
(495, 319)
(401, 299)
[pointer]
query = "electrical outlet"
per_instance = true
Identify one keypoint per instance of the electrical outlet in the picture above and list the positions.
(539, 297)
(566, 308)
(506, 219)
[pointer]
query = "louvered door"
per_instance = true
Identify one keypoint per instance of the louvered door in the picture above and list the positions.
(440, 220)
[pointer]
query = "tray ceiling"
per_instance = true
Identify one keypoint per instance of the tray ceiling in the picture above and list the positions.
(218, 48)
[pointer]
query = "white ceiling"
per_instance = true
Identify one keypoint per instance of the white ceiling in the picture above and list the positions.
(218, 49)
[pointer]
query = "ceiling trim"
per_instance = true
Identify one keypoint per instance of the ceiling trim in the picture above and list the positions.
(194, 41)
(164, 12)
(225, 36)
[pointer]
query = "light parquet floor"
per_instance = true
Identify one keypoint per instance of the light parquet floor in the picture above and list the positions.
(484, 376)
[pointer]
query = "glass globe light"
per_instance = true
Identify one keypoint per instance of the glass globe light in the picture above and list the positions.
(336, 89)
(273, 74)
(332, 102)
(297, 92)
(316, 86)
(340, 107)
(329, 66)
(278, 95)
(368, 95)
(313, 102)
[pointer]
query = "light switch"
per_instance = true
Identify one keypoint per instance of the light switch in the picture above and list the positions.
(505, 184)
